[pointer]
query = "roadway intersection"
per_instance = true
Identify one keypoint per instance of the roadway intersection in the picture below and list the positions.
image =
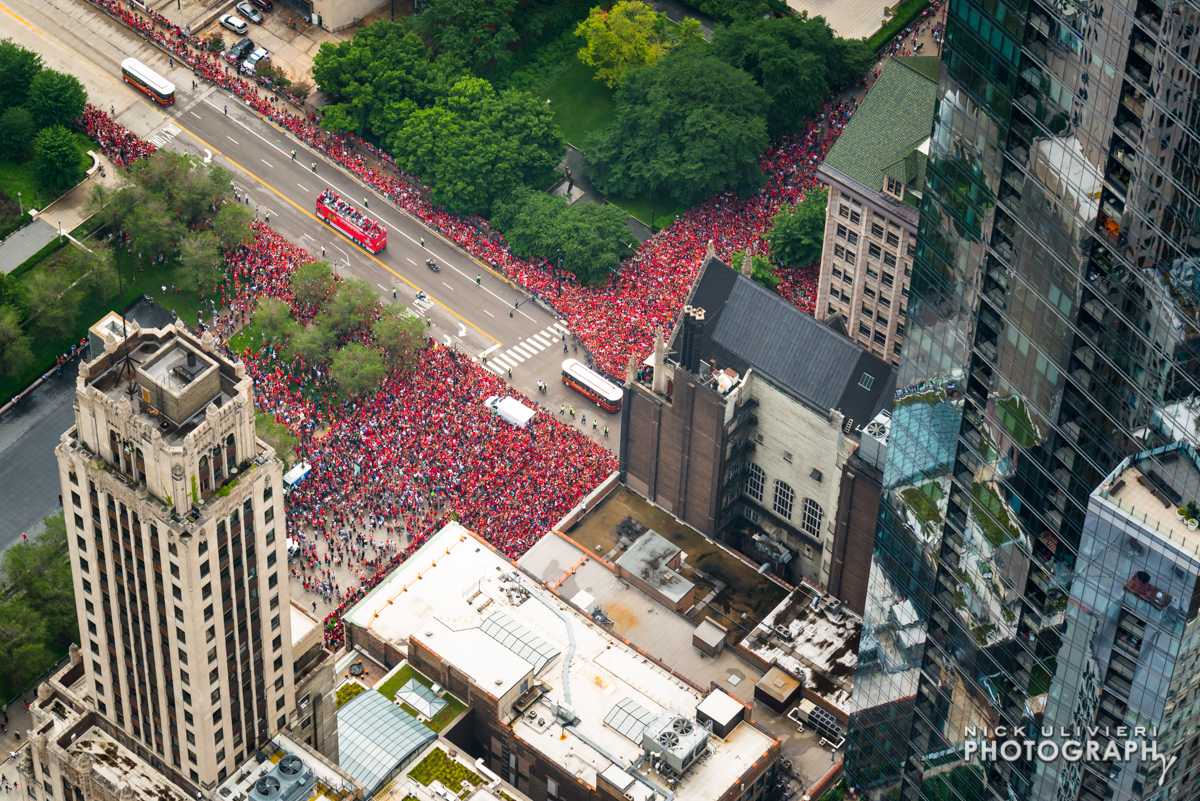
(479, 318)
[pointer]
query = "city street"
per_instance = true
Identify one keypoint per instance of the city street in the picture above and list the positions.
(481, 318)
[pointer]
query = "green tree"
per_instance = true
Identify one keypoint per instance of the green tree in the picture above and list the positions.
(15, 353)
(59, 163)
(379, 77)
(154, 232)
(200, 262)
(277, 436)
(357, 369)
(689, 125)
(56, 98)
(797, 234)
(477, 32)
(762, 272)
(731, 11)
(400, 336)
(18, 67)
(796, 62)
(312, 283)
(592, 237)
(476, 145)
(630, 34)
(53, 301)
(16, 133)
(315, 343)
(232, 225)
(274, 318)
(354, 306)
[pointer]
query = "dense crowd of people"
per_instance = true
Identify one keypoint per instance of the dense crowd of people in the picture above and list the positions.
(613, 321)
(389, 470)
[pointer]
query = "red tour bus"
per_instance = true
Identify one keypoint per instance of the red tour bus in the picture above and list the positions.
(155, 86)
(591, 385)
(353, 223)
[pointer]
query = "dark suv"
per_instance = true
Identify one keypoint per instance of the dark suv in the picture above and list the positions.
(265, 5)
(240, 50)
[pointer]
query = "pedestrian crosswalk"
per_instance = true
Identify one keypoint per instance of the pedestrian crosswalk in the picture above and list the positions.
(502, 362)
(164, 137)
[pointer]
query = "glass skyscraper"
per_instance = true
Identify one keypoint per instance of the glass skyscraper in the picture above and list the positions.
(1054, 325)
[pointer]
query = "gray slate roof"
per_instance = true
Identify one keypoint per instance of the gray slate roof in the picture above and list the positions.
(748, 326)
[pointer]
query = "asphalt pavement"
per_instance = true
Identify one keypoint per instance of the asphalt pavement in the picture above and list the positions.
(481, 318)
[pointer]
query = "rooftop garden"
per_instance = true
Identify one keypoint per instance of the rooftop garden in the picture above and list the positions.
(348, 692)
(438, 766)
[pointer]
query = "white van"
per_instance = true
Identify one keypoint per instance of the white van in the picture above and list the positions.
(510, 410)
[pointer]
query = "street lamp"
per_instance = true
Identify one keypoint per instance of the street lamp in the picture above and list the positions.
(20, 204)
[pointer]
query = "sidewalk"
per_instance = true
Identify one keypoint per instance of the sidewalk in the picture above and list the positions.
(291, 49)
(71, 210)
(19, 720)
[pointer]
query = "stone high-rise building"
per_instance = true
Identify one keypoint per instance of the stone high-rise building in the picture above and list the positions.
(175, 521)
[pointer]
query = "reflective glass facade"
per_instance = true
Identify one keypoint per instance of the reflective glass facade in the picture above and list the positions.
(1053, 330)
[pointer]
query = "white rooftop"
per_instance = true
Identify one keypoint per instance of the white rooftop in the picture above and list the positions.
(302, 625)
(720, 706)
(118, 766)
(455, 582)
(490, 665)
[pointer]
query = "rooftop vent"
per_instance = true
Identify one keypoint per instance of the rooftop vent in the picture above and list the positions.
(188, 369)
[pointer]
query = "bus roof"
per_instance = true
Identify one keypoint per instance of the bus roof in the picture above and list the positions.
(149, 76)
(598, 383)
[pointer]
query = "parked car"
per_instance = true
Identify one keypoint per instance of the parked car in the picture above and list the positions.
(255, 60)
(249, 12)
(235, 24)
(265, 5)
(240, 50)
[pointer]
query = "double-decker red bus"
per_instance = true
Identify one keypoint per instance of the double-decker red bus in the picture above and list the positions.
(591, 384)
(353, 223)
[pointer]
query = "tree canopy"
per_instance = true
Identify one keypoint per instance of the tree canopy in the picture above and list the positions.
(277, 436)
(15, 352)
(18, 67)
(477, 32)
(689, 125)
(730, 11)
(476, 145)
(796, 62)
(274, 319)
(630, 34)
(593, 237)
(16, 132)
(353, 307)
(357, 369)
(797, 233)
(312, 282)
(762, 272)
(400, 336)
(59, 163)
(56, 98)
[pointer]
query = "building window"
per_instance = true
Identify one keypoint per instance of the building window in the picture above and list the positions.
(855, 217)
(783, 499)
(843, 211)
(756, 479)
(852, 238)
(277, 643)
(876, 229)
(874, 251)
(175, 570)
(812, 518)
(866, 312)
(750, 514)
(551, 788)
(204, 569)
(888, 280)
(884, 300)
(839, 251)
(862, 329)
(279, 702)
(851, 256)
(87, 586)
(871, 272)
(881, 337)
(273, 581)
(787, 457)
(270, 536)
(842, 231)
(893, 239)
(894, 187)
(889, 259)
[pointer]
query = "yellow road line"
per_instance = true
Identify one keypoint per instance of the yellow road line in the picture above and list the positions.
(351, 242)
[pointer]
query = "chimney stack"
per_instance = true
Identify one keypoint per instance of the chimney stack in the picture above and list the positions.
(685, 337)
(697, 337)
(191, 359)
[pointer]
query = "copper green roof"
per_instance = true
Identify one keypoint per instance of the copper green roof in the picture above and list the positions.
(895, 119)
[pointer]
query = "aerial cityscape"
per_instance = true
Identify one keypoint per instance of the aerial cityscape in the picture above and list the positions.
(626, 400)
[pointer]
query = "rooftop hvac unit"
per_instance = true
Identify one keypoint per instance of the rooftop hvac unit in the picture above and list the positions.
(289, 780)
(676, 741)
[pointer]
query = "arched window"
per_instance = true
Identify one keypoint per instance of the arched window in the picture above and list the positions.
(812, 519)
(230, 451)
(756, 479)
(784, 496)
(205, 478)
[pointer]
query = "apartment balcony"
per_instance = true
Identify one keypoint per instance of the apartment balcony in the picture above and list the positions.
(1150, 21)
(1112, 212)
(1145, 51)
(1135, 103)
(1130, 131)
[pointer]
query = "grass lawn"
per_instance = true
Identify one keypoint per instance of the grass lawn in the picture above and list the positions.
(442, 719)
(22, 177)
(659, 212)
(581, 105)
(46, 348)
(245, 337)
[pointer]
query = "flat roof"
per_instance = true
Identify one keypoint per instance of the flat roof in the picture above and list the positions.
(491, 665)
(302, 624)
(121, 767)
(720, 706)
(463, 584)
(814, 635)
(1150, 486)
(431, 581)
(647, 559)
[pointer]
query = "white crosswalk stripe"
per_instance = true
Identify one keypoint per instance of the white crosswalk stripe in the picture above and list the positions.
(497, 369)
(500, 360)
(524, 349)
(537, 342)
(516, 357)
